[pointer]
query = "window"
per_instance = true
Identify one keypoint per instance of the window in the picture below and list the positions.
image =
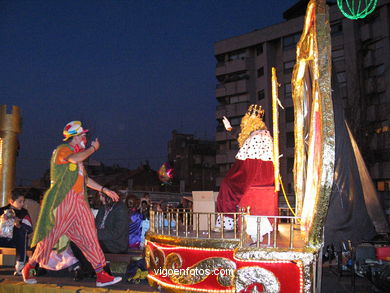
(382, 129)
(288, 66)
(342, 82)
(242, 75)
(234, 100)
(260, 72)
(289, 188)
(290, 165)
(237, 55)
(259, 49)
(383, 185)
(376, 71)
(341, 77)
(236, 76)
(290, 139)
(260, 95)
(235, 121)
(238, 99)
(222, 146)
(224, 168)
(221, 78)
(287, 91)
(336, 29)
(378, 98)
(338, 54)
(222, 101)
(289, 114)
(220, 127)
(220, 60)
(290, 41)
(233, 145)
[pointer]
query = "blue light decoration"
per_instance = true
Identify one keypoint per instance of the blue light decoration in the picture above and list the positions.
(355, 9)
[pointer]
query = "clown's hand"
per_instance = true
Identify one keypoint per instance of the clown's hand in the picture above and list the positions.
(110, 193)
(226, 123)
(95, 144)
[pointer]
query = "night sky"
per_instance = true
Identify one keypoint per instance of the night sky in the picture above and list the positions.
(131, 71)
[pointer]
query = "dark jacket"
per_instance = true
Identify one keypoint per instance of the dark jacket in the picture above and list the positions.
(114, 236)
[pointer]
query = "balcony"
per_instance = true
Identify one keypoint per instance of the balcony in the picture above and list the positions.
(231, 110)
(220, 91)
(232, 88)
(230, 66)
(222, 136)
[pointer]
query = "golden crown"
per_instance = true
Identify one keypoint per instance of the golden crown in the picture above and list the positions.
(256, 111)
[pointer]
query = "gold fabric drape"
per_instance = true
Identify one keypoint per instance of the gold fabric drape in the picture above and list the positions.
(314, 121)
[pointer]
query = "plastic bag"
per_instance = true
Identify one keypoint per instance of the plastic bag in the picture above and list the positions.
(7, 221)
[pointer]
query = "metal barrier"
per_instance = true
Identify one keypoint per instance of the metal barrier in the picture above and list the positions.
(185, 223)
(286, 212)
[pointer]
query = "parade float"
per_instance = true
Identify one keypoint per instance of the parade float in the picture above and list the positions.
(188, 258)
(191, 257)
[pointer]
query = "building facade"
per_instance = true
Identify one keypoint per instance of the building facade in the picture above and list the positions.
(361, 63)
(193, 161)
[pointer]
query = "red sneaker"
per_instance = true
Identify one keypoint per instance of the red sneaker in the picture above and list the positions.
(104, 279)
(27, 274)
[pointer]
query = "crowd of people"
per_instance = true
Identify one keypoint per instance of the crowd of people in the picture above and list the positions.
(67, 232)
(121, 226)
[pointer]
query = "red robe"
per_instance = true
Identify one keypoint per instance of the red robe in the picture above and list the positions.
(248, 171)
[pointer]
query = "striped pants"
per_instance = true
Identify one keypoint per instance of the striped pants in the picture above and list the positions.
(75, 220)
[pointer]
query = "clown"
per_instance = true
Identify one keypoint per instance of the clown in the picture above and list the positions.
(65, 213)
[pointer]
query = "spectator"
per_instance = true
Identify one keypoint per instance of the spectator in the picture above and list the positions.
(161, 217)
(95, 204)
(135, 228)
(132, 202)
(182, 205)
(159, 207)
(31, 204)
(181, 208)
(190, 205)
(112, 223)
(145, 210)
(145, 224)
(22, 228)
(146, 197)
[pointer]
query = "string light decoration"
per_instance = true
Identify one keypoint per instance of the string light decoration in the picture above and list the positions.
(355, 9)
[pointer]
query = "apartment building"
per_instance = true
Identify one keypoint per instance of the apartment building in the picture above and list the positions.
(361, 62)
(193, 160)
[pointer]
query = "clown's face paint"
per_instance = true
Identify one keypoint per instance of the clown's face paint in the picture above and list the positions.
(80, 143)
(83, 141)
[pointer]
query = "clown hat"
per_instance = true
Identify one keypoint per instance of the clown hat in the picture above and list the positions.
(73, 128)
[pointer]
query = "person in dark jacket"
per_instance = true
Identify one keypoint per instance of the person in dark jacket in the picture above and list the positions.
(22, 228)
(112, 223)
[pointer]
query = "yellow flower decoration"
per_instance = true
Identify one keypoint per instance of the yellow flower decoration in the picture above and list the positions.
(72, 167)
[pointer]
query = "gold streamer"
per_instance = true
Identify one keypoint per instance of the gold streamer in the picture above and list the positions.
(275, 119)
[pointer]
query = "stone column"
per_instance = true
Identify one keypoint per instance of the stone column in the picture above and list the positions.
(10, 127)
